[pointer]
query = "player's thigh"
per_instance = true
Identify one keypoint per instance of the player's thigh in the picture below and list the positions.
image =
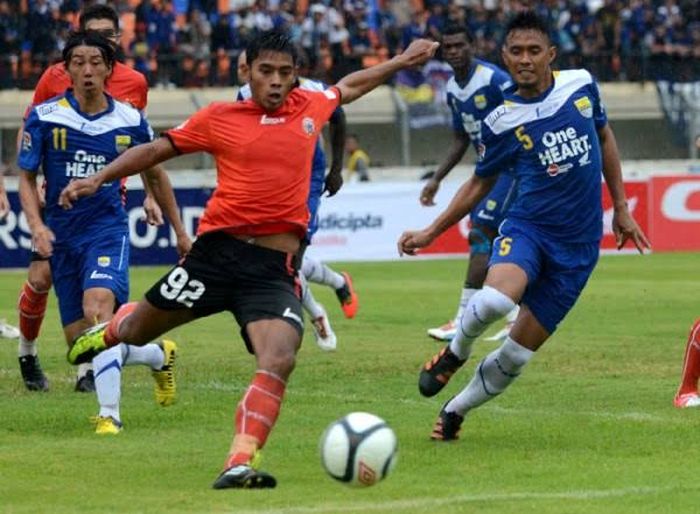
(99, 304)
(147, 322)
(275, 343)
(66, 270)
(567, 270)
(105, 268)
(269, 290)
(39, 273)
(516, 260)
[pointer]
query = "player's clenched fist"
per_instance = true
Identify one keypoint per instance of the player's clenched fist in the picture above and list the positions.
(412, 240)
(419, 51)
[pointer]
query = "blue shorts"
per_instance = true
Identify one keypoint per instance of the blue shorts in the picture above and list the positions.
(557, 272)
(491, 210)
(103, 262)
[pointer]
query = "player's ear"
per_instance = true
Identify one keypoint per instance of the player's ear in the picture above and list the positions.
(552, 53)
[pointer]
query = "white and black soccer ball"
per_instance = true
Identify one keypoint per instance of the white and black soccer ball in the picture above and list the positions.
(358, 449)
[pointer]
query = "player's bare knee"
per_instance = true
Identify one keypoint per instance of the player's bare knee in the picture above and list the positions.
(98, 310)
(39, 276)
(279, 361)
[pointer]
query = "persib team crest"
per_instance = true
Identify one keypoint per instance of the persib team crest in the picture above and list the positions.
(480, 101)
(103, 261)
(584, 106)
(308, 125)
(122, 142)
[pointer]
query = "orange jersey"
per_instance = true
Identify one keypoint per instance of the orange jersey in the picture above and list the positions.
(124, 84)
(263, 160)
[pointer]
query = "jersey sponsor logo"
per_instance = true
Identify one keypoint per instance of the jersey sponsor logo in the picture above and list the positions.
(270, 120)
(308, 125)
(96, 275)
(555, 169)
(85, 164)
(480, 101)
(104, 261)
(498, 112)
(472, 126)
(26, 141)
(288, 313)
(562, 146)
(584, 106)
(122, 142)
(44, 110)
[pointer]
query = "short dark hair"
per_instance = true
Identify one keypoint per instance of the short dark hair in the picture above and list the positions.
(99, 12)
(89, 39)
(271, 41)
(457, 28)
(528, 20)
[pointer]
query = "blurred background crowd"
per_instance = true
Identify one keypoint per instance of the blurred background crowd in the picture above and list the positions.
(194, 43)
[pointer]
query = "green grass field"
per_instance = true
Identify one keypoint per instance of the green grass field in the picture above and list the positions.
(588, 428)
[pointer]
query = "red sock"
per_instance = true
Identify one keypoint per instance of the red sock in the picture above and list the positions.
(256, 414)
(111, 336)
(31, 307)
(691, 363)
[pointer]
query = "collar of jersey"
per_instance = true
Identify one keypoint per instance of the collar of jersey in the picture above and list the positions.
(90, 117)
(470, 73)
(519, 99)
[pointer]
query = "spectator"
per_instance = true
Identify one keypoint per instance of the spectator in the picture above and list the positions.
(358, 160)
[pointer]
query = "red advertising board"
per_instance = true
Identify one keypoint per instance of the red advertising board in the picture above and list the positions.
(637, 194)
(675, 213)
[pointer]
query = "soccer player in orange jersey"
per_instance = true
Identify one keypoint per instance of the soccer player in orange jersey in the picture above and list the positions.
(126, 85)
(243, 260)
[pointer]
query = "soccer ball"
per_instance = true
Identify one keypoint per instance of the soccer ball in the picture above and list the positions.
(358, 449)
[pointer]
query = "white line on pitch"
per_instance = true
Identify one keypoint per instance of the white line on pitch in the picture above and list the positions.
(432, 503)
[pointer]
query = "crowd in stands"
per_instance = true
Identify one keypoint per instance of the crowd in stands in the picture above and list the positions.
(194, 43)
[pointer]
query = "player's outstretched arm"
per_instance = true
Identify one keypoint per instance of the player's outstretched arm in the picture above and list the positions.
(624, 225)
(42, 237)
(130, 162)
(361, 82)
(471, 192)
(460, 144)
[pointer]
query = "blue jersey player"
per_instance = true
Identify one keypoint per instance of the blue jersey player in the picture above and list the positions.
(474, 91)
(74, 136)
(312, 269)
(552, 130)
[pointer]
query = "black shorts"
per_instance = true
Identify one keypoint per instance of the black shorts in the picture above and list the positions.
(222, 273)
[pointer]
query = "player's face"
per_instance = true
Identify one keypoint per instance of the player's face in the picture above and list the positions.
(272, 76)
(456, 50)
(528, 55)
(104, 27)
(88, 70)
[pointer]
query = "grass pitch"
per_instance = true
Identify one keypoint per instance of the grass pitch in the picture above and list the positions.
(588, 428)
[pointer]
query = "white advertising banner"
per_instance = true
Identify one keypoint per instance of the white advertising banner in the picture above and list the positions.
(364, 220)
